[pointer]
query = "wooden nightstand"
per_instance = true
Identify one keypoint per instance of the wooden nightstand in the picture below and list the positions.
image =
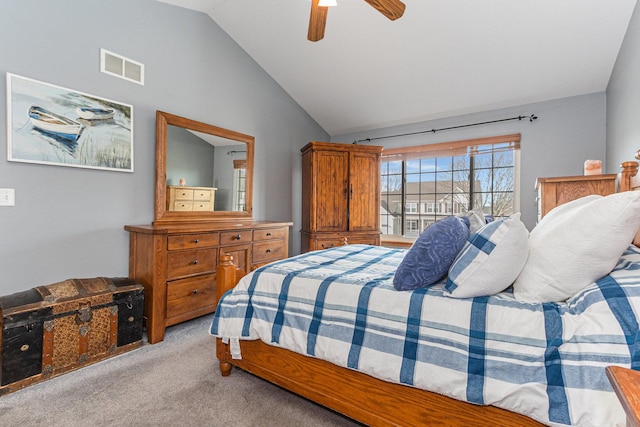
(556, 191)
(626, 384)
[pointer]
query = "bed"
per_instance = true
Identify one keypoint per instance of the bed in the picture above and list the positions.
(425, 358)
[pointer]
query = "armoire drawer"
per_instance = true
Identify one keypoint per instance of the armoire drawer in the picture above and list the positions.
(326, 243)
(268, 250)
(269, 234)
(192, 241)
(187, 295)
(185, 263)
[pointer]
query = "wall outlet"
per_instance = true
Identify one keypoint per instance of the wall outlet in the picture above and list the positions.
(7, 197)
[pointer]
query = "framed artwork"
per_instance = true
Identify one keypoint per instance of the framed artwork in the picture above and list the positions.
(53, 125)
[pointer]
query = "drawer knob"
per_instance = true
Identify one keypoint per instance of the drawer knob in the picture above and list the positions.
(195, 240)
(268, 234)
(268, 251)
(195, 261)
(195, 291)
(238, 236)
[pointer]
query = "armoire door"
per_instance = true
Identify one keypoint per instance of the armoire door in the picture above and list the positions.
(364, 192)
(332, 174)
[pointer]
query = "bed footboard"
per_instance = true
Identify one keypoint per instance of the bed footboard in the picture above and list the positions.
(227, 275)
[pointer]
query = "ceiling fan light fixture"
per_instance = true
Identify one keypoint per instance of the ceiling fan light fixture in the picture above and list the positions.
(327, 3)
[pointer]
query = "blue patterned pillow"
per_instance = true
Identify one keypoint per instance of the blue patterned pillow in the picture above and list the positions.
(432, 254)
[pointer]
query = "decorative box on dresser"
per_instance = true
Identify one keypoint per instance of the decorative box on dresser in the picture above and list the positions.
(556, 191)
(340, 195)
(176, 264)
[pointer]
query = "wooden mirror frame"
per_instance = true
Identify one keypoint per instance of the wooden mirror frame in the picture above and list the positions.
(162, 215)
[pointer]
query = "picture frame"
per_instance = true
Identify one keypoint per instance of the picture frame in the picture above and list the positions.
(53, 125)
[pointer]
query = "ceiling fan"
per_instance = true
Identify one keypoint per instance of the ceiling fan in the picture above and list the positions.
(392, 9)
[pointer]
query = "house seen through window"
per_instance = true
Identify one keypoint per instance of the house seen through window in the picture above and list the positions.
(420, 185)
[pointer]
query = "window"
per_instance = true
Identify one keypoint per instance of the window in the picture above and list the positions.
(239, 185)
(448, 179)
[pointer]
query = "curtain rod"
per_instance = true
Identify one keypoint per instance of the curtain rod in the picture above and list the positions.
(531, 118)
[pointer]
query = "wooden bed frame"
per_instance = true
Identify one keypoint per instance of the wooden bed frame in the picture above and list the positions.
(356, 395)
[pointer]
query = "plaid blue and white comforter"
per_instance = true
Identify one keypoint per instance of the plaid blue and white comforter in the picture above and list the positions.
(543, 360)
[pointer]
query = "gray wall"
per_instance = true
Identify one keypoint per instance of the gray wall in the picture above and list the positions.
(567, 132)
(189, 157)
(68, 222)
(623, 99)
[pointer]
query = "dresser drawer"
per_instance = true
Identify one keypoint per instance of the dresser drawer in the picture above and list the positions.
(204, 195)
(184, 194)
(202, 206)
(234, 237)
(182, 205)
(267, 251)
(268, 234)
(185, 263)
(187, 295)
(192, 241)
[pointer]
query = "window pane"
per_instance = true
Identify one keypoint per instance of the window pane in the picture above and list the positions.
(461, 163)
(427, 165)
(444, 164)
(395, 167)
(461, 203)
(392, 204)
(503, 179)
(503, 158)
(483, 160)
(444, 183)
(413, 166)
(483, 179)
(428, 183)
(502, 204)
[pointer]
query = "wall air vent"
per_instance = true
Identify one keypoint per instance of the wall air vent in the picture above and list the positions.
(119, 66)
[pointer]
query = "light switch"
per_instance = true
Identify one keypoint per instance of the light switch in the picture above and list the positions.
(7, 197)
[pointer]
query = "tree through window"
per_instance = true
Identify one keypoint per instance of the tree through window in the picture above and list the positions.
(420, 185)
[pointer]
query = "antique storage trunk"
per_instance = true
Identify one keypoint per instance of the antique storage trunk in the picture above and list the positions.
(52, 329)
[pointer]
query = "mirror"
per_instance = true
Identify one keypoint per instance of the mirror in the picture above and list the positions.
(203, 172)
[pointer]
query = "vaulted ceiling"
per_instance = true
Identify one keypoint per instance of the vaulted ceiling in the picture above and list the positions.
(442, 58)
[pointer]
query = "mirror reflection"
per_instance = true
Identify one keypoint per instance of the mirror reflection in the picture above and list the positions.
(204, 172)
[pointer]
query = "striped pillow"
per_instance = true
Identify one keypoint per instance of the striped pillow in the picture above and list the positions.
(491, 259)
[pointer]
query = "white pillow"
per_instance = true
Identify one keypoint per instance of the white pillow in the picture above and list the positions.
(491, 259)
(476, 220)
(576, 244)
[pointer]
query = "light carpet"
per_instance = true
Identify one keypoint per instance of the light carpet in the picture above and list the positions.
(173, 383)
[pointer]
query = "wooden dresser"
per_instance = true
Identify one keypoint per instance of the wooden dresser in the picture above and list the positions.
(181, 198)
(340, 195)
(555, 191)
(176, 264)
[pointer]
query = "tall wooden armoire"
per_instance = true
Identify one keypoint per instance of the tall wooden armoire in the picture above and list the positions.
(340, 195)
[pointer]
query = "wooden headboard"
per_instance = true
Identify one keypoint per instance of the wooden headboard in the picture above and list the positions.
(629, 180)
(628, 177)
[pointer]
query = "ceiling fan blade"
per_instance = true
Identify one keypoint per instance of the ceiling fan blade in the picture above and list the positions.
(392, 9)
(317, 21)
